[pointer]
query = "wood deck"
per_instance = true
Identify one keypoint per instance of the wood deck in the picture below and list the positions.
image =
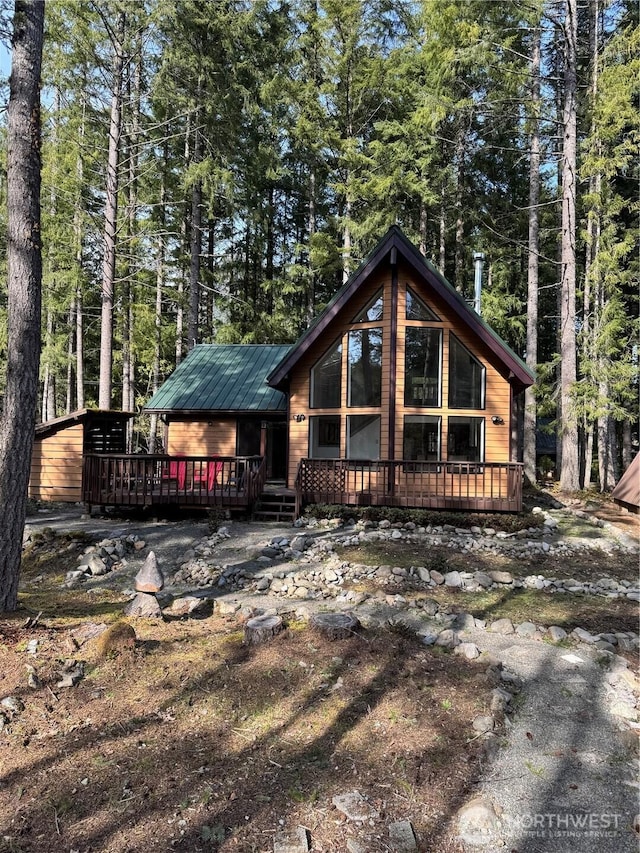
(236, 482)
(475, 486)
(181, 481)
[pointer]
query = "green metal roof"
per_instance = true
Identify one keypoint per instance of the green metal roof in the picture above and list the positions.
(223, 378)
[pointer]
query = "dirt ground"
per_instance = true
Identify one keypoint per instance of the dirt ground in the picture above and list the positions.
(196, 742)
(193, 741)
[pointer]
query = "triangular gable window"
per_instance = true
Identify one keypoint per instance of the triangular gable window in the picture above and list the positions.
(416, 309)
(372, 310)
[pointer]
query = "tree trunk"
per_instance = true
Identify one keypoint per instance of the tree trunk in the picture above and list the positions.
(607, 448)
(423, 229)
(193, 329)
(24, 282)
(49, 379)
(210, 327)
(442, 250)
(79, 350)
(530, 407)
(569, 475)
(592, 249)
(460, 178)
(261, 629)
(346, 242)
(133, 139)
(77, 232)
(183, 240)
(110, 222)
(153, 427)
(627, 445)
(311, 289)
(70, 342)
(335, 626)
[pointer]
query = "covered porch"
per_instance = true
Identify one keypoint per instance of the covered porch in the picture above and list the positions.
(113, 479)
(476, 486)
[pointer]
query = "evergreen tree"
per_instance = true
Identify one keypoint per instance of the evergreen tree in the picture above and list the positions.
(24, 287)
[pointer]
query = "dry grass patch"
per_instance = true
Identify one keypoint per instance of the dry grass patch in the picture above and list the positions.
(195, 742)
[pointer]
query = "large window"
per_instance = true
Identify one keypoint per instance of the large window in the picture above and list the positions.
(466, 440)
(363, 437)
(466, 377)
(365, 367)
(422, 359)
(326, 380)
(324, 437)
(421, 438)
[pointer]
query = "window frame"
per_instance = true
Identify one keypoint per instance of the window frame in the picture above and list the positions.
(358, 404)
(481, 422)
(373, 417)
(422, 465)
(410, 404)
(314, 430)
(455, 341)
(359, 319)
(337, 344)
(410, 293)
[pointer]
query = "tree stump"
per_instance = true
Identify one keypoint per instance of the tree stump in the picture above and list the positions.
(261, 629)
(335, 626)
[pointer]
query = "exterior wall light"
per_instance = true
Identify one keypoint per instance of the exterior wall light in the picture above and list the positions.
(299, 418)
(496, 419)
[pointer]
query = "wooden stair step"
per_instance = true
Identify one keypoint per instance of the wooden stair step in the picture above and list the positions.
(275, 506)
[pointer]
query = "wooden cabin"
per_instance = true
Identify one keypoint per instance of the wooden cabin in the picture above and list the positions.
(60, 446)
(399, 394)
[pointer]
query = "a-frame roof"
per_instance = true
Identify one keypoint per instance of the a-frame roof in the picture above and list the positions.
(395, 244)
(222, 378)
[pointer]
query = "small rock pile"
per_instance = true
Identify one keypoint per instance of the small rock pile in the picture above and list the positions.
(149, 581)
(195, 570)
(106, 556)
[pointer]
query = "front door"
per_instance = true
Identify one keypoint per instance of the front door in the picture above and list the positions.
(276, 450)
(264, 438)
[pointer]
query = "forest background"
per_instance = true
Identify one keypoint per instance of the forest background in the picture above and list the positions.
(214, 171)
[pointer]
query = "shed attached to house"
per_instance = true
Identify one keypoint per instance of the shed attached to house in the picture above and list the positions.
(59, 447)
(217, 403)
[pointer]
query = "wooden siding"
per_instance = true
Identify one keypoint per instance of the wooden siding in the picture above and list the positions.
(56, 466)
(498, 393)
(215, 436)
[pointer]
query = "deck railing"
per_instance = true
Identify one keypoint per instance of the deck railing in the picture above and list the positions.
(489, 486)
(150, 480)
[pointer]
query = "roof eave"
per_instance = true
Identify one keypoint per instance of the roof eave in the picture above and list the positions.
(519, 376)
(279, 377)
(215, 412)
